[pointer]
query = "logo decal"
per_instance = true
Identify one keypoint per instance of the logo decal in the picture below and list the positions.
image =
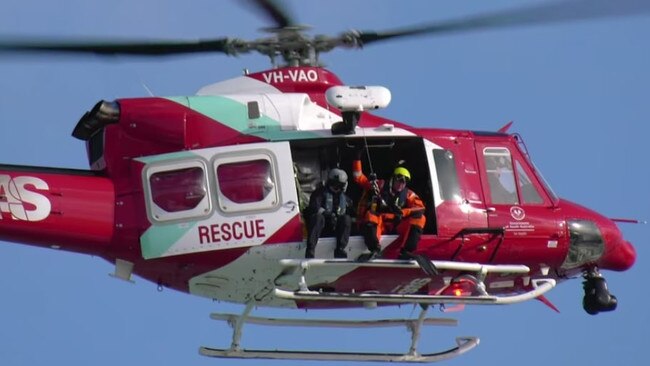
(517, 213)
(234, 231)
(18, 198)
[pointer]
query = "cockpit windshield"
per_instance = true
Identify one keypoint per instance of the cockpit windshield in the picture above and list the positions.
(524, 152)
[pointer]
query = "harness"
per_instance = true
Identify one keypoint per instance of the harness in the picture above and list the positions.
(329, 203)
(382, 201)
(393, 201)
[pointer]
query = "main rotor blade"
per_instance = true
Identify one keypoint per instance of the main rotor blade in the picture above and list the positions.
(545, 13)
(276, 12)
(138, 48)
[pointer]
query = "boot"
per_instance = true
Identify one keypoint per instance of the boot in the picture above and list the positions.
(309, 252)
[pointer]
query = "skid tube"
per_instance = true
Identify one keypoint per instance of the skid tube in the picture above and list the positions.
(463, 344)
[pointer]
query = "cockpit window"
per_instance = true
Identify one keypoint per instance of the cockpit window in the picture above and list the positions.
(547, 186)
(529, 193)
(501, 177)
(540, 177)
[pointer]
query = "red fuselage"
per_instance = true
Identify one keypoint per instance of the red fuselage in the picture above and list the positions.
(103, 212)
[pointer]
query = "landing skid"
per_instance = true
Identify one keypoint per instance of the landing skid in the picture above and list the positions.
(295, 270)
(463, 344)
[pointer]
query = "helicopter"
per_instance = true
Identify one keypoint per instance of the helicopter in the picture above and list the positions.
(26, 206)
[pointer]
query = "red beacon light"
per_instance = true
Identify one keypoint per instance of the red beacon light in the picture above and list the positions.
(461, 287)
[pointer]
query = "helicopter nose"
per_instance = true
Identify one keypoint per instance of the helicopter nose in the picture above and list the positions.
(620, 257)
(596, 239)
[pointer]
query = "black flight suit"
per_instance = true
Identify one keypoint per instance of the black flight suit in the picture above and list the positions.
(328, 212)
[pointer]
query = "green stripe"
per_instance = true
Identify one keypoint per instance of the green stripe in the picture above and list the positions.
(225, 110)
(235, 115)
(280, 135)
(168, 156)
(159, 239)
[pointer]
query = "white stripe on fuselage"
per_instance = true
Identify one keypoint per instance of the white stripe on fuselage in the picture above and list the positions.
(239, 85)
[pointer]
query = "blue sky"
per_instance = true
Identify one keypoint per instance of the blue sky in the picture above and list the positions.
(578, 94)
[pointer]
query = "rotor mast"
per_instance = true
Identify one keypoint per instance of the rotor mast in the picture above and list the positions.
(290, 45)
(293, 46)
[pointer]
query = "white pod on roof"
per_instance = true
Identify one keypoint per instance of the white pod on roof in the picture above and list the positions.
(358, 98)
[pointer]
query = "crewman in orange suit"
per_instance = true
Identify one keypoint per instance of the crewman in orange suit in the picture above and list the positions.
(389, 206)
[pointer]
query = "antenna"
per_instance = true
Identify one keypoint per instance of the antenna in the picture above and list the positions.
(151, 94)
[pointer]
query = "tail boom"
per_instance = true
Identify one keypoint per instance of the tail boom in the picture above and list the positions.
(60, 208)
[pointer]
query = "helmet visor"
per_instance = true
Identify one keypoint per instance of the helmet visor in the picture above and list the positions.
(400, 178)
(336, 185)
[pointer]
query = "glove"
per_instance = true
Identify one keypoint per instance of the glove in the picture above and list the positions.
(416, 214)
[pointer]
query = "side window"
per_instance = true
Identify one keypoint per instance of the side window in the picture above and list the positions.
(447, 174)
(529, 193)
(501, 177)
(177, 190)
(246, 183)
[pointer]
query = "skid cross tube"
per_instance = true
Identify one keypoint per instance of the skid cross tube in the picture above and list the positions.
(414, 328)
(238, 325)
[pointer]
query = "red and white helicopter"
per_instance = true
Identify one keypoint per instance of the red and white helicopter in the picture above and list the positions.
(203, 194)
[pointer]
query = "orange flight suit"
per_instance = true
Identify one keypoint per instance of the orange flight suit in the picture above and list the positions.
(408, 202)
